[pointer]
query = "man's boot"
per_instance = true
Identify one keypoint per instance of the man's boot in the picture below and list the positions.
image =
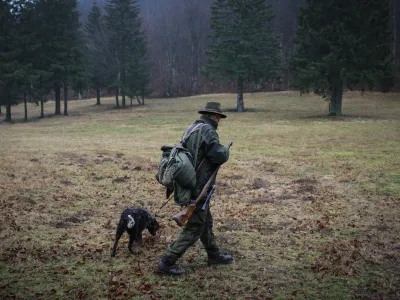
(167, 267)
(219, 259)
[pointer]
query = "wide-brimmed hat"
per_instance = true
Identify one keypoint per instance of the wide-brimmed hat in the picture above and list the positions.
(213, 108)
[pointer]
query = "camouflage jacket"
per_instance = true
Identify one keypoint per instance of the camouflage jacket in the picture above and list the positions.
(213, 153)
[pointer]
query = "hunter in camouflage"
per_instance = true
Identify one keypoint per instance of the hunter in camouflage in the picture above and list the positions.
(210, 155)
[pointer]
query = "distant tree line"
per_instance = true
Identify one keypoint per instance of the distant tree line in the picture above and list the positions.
(40, 50)
(179, 35)
(131, 48)
(325, 47)
(44, 49)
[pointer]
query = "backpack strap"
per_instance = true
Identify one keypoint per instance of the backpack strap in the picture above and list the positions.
(197, 146)
(190, 130)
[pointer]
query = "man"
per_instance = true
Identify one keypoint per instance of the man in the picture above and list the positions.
(210, 155)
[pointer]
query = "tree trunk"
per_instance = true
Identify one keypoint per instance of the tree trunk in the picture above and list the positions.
(65, 100)
(0, 109)
(123, 100)
(131, 101)
(335, 104)
(240, 102)
(41, 109)
(116, 98)
(29, 97)
(57, 91)
(142, 96)
(25, 108)
(123, 85)
(8, 111)
(98, 96)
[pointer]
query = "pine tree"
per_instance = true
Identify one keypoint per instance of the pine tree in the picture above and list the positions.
(138, 69)
(74, 63)
(59, 29)
(99, 57)
(26, 48)
(341, 44)
(245, 49)
(10, 72)
(126, 43)
(38, 51)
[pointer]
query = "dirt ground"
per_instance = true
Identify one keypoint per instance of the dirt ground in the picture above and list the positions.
(307, 204)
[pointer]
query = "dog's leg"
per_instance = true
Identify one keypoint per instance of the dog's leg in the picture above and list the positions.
(130, 243)
(133, 238)
(118, 234)
(139, 238)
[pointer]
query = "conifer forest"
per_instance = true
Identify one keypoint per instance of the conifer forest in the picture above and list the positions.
(131, 49)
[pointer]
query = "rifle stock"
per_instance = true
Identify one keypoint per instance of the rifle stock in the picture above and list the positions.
(184, 215)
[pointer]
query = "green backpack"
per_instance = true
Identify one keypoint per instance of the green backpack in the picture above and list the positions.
(176, 169)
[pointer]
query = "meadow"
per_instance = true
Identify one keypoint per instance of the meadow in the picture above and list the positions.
(309, 205)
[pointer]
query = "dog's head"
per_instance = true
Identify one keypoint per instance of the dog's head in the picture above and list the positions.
(152, 225)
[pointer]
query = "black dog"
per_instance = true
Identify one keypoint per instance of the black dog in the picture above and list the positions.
(134, 221)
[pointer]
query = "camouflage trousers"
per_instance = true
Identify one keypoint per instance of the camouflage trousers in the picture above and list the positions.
(199, 226)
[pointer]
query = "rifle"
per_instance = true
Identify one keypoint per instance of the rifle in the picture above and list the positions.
(209, 196)
(184, 215)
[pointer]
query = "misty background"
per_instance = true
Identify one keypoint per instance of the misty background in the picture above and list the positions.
(177, 31)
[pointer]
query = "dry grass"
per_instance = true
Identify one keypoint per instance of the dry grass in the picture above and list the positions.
(308, 204)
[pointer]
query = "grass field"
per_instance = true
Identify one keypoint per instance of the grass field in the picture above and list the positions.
(309, 205)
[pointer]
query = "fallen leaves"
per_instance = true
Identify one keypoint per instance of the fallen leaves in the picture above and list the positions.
(340, 258)
(121, 179)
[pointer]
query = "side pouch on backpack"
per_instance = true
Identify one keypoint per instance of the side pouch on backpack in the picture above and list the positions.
(183, 171)
(182, 196)
(162, 167)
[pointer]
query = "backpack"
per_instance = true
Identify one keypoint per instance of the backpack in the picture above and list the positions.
(162, 166)
(176, 169)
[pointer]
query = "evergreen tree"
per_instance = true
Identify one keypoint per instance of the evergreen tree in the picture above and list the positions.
(99, 57)
(138, 70)
(341, 44)
(245, 48)
(26, 48)
(36, 46)
(126, 43)
(10, 72)
(59, 30)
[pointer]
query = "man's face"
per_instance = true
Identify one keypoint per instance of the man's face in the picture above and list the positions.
(216, 118)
